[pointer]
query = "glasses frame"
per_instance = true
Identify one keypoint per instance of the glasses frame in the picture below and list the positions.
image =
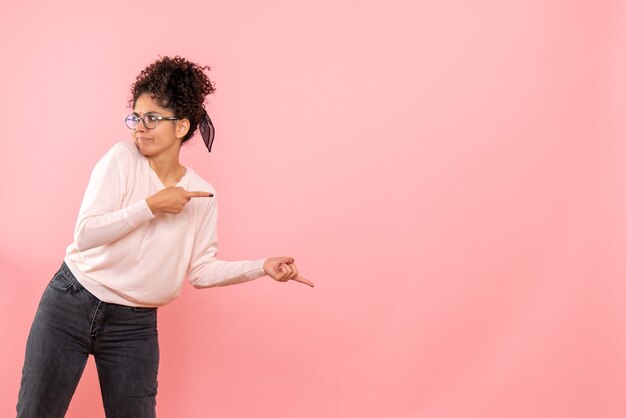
(142, 119)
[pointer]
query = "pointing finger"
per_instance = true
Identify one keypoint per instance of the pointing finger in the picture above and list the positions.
(303, 280)
(200, 194)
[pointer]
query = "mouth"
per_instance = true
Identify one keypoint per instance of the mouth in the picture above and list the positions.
(144, 139)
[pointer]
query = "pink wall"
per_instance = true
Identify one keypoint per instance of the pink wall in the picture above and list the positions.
(449, 173)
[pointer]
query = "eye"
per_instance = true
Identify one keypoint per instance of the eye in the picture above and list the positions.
(153, 118)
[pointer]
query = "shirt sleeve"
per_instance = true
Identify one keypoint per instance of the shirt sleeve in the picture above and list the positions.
(207, 271)
(101, 219)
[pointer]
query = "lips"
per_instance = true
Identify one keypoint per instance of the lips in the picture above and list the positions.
(143, 139)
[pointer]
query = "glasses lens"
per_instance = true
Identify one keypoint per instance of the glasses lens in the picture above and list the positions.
(132, 121)
(150, 121)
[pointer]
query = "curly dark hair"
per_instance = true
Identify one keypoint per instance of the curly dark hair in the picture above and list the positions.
(177, 84)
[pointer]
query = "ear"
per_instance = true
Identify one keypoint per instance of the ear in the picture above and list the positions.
(182, 127)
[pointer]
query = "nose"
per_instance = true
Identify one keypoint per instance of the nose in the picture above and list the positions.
(141, 127)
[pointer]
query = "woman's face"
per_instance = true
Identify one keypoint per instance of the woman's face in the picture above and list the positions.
(166, 137)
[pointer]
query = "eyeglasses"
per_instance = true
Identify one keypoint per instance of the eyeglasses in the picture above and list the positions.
(149, 120)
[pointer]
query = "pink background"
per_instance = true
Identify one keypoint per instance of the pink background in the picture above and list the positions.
(449, 173)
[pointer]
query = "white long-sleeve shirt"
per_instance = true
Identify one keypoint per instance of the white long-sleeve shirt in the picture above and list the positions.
(123, 253)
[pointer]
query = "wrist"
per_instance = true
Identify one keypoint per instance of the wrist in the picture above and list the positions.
(150, 201)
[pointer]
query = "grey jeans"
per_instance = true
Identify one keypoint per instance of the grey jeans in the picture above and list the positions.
(70, 324)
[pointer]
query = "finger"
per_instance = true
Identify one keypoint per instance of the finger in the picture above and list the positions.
(278, 275)
(199, 194)
(292, 271)
(295, 270)
(279, 272)
(286, 271)
(301, 279)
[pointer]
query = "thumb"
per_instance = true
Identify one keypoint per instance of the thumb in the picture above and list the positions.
(284, 260)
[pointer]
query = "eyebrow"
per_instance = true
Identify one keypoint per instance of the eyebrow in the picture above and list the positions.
(148, 113)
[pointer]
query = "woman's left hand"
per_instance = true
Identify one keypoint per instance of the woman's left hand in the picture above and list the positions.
(282, 269)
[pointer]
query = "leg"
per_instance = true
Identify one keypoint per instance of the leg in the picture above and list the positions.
(127, 359)
(56, 351)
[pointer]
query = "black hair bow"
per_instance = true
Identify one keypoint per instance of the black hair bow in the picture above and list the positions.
(207, 130)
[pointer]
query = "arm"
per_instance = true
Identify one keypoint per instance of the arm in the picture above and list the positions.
(207, 271)
(101, 219)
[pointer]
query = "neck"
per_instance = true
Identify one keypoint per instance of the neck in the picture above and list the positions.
(169, 170)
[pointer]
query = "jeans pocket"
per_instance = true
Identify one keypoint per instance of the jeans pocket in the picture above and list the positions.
(59, 282)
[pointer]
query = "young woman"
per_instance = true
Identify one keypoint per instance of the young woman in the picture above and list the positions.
(146, 222)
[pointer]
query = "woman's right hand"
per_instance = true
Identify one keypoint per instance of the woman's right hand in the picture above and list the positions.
(172, 199)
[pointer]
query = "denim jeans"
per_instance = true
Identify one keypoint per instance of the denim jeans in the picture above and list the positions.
(70, 324)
